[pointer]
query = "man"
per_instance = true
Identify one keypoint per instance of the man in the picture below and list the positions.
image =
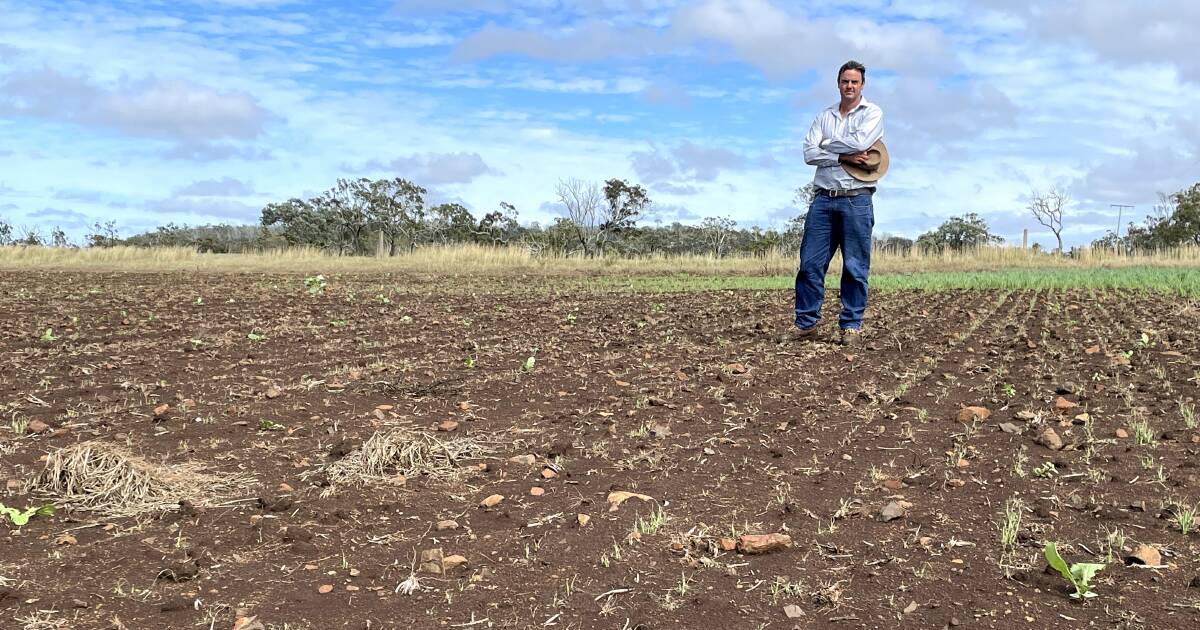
(841, 215)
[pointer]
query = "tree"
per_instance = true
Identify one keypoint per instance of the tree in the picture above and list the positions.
(397, 209)
(303, 223)
(958, 234)
(582, 202)
(1048, 210)
(102, 235)
(625, 204)
(803, 196)
(5, 232)
(716, 233)
(58, 238)
(499, 226)
(346, 204)
(450, 223)
(793, 231)
(893, 244)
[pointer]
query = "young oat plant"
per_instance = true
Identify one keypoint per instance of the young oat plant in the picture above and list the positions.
(651, 523)
(1143, 433)
(1114, 543)
(1185, 517)
(1187, 411)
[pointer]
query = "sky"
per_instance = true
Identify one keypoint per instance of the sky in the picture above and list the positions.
(203, 111)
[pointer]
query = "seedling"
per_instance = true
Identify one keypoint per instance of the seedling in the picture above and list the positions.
(269, 425)
(650, 524)
(530, 362)
(1010, 390)
(1143, 433)
(1188, 412)
(383, 299)
(255, 337)
(1046, 471)
(1185, 517)
(315, 285)
(1079, 574)
(21, 517)
(49, 335)
(469, 362)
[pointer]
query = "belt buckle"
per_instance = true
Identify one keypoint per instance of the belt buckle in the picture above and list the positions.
(838, 193)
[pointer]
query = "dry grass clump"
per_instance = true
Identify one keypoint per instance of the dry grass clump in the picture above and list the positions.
(105, 478)
(406, 452)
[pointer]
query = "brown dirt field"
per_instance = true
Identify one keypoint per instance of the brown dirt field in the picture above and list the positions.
(691, 399)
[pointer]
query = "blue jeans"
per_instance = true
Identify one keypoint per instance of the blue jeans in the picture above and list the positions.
(845, 223)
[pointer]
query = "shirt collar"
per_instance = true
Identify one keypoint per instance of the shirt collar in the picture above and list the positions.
(862, 102)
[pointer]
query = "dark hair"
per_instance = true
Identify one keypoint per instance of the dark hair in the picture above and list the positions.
(853, 65)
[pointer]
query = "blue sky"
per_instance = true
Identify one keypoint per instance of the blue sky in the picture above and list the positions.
(203, 111)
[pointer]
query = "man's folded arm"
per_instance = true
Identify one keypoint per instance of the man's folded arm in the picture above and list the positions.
(814, 155)
(861, 138)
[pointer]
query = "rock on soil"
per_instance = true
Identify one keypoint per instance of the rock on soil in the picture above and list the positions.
(971, 414)
(1050, 439)
(751, 544)
(891, 512)
(1145, 555)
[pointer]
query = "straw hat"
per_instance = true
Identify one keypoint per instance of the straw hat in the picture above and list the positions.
(877, 164)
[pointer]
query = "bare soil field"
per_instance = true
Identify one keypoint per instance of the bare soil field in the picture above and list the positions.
(229, 451)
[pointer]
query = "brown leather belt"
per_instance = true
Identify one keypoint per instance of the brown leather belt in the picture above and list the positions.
(852, 192)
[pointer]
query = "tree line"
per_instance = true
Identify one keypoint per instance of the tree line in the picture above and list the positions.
(359, 217)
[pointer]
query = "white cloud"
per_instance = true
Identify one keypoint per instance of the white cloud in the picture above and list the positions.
(435, 169)
(223, 187)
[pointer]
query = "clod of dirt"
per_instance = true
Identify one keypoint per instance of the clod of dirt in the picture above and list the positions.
(736, 368)
(180, 571)
(751, 544)
(105, 478)
(1049, 438)
(176, 604)
(273, 392)
(325, 589)
(446, 426)
(971, 414)
(727, 544)
(548, 473)
(615, 499)
(492, 501)
(449, 563)
(447, 525)
(793, 611)
(893, 484)
(526, 460)
(187, 510)
(276, 504)
(1122, 434)
(10, 596)
(37, 426)
(582, 519)
(537, 491)
(1144, 555)
(295, 533)
(891, 512)
(342, 448)
(1195, 583)
(432, 561)
(248, 623)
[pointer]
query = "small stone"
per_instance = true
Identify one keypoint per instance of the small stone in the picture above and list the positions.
(447, 525)
(891, 512)
(450, 563)
(1009, 427)
(447, 426)
(1144, 555)
(893, 484)
(384, 407)
(325, 588)
(1122, 433)
(1050, 439)
(161, 410)
(548, 473)
(284, 487)
(1195, 583)
(736, 368)
(492, 501)
(537, 491)
(846, 457)
(13, 485)
(37, 426)
(911, 608)
(793, 611)
(523, 459)
(273, 392)
(583, 519)
(351, 588)
(1091, 350)
(751, 544)
(727, 544)
(1063, 405)
(971, 414)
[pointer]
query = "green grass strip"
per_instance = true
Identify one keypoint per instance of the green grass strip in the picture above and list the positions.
(1176, 281)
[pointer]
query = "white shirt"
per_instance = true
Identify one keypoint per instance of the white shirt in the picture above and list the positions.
(832, 135)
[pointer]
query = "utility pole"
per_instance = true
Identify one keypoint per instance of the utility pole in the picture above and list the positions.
(1119, 208)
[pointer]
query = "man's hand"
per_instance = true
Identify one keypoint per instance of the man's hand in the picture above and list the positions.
(861, 159)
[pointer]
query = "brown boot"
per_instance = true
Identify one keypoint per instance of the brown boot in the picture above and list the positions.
(851, 337)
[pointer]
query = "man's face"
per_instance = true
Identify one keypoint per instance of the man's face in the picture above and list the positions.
(850, 84)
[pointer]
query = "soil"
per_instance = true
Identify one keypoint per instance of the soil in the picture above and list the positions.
(891, 494)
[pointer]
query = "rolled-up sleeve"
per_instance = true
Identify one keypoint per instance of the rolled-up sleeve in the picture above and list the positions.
(814, 155)
(859, 137)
